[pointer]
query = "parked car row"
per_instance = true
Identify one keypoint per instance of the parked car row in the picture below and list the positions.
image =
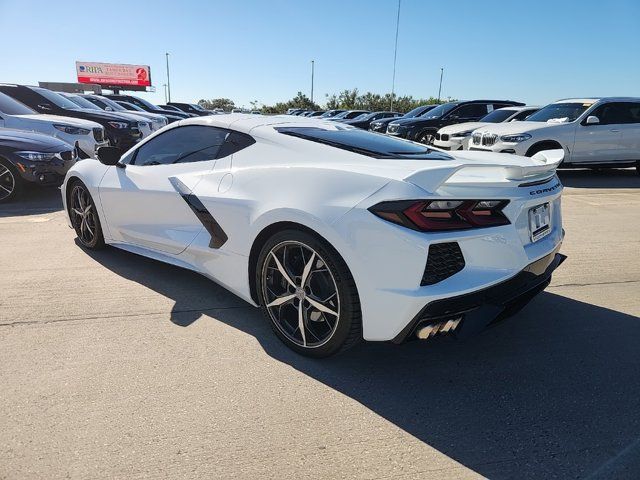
(42, 132)
(593, 132)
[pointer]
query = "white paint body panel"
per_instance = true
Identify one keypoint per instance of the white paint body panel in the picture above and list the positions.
(45, 124)
(328, 190)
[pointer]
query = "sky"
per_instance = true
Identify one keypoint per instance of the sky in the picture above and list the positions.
(535, 51)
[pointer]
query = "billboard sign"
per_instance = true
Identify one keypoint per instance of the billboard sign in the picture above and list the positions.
(114, 74)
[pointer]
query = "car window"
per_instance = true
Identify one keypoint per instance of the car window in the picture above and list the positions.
(470, 110)
(497, 116)
(192, 143)
(13, 107)
(56, 98)
(360, 141)
(616, 113)
(523, 115)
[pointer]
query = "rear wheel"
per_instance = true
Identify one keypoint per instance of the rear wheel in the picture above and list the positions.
(84, 216)
(10, 182)
(308, 294)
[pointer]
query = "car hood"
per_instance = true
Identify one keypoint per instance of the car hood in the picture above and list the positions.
(462, 127)
(517, 127)
(50, 119)
(22, 140)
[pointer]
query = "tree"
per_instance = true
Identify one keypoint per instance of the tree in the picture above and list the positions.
(224, 103)
(299, 101)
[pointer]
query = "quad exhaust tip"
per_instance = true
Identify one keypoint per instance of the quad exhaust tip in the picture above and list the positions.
(433, 329)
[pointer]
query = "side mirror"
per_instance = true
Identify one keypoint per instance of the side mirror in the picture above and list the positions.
(109, 155)
(592, 120)
(108, 109)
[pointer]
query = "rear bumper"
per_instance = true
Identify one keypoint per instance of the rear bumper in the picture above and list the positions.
(477, 310)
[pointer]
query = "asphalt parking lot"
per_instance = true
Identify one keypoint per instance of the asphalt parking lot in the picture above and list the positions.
(115, 366)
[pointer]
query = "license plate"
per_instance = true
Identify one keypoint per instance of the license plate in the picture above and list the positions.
(539, 222)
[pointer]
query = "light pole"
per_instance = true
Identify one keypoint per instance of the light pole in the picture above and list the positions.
(395, 55)
(312, 72)
(440, 88)
(168, 82)
(165, 92)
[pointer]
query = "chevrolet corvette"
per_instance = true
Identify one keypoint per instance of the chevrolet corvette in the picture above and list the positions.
(336, 233)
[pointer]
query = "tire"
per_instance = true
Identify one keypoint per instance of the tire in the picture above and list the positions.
(426, 136)
(84, 216)
(11, 183)
(289, 302)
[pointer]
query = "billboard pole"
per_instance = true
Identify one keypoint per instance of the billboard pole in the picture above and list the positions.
(168, 82)
(312, 69)
(395, 56)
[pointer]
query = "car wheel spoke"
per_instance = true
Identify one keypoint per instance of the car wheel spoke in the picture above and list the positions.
(282, 271)
(307, 270)
(301, 324)
(281, 300)
(319, 306)
(5, 189)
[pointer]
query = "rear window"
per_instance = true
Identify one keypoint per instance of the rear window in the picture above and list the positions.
(360, 141)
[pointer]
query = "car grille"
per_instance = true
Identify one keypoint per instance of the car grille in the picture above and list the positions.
(444, 137)
(486, 139)
(98, 134)
(443, 261)
(489, 139)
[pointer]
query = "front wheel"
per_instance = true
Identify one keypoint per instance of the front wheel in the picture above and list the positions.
(84, 217)
(308, 294)
(10, 182)
(427, 137)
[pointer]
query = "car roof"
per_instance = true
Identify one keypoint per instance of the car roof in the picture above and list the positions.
(599, 99)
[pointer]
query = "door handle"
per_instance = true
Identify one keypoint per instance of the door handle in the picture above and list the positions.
(615, 130)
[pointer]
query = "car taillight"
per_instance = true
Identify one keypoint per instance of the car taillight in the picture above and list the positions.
(435, 215)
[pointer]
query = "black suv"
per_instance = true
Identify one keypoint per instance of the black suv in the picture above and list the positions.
(148, 106)
(363, 121)
(191, 108)
(380, 126)
(423, 129)
(121, 132)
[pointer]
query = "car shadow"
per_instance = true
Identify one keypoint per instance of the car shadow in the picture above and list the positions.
(551, 393)
(33, 201)
(605, 178)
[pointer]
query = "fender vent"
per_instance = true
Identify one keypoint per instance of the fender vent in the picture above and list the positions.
(444, 260)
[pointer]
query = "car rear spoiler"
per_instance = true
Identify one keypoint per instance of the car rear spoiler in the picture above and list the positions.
(543, 166)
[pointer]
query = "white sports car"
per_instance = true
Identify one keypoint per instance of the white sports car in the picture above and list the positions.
(337, 233)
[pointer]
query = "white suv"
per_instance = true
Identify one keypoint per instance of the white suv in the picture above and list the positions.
(457, 137)
(594, 132)
(88, 136)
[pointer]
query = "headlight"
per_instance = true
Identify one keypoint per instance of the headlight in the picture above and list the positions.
(71, 130)
(517, 138)
(462, 134)
(36, 156)
(119, 125)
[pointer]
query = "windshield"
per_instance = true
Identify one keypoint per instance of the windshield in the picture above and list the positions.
(360, 141)
(9, 106)
(560, 112)
(143, 103)
(439, 111)
(416, 112)
(130, 106)
(197, 107)
(56, 99)
(330, 113)
(342, 114)
(363, 116)
(107, 102)
(83, 102)
(497, 116)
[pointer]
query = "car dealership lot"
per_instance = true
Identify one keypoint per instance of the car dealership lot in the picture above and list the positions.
(114, 366)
